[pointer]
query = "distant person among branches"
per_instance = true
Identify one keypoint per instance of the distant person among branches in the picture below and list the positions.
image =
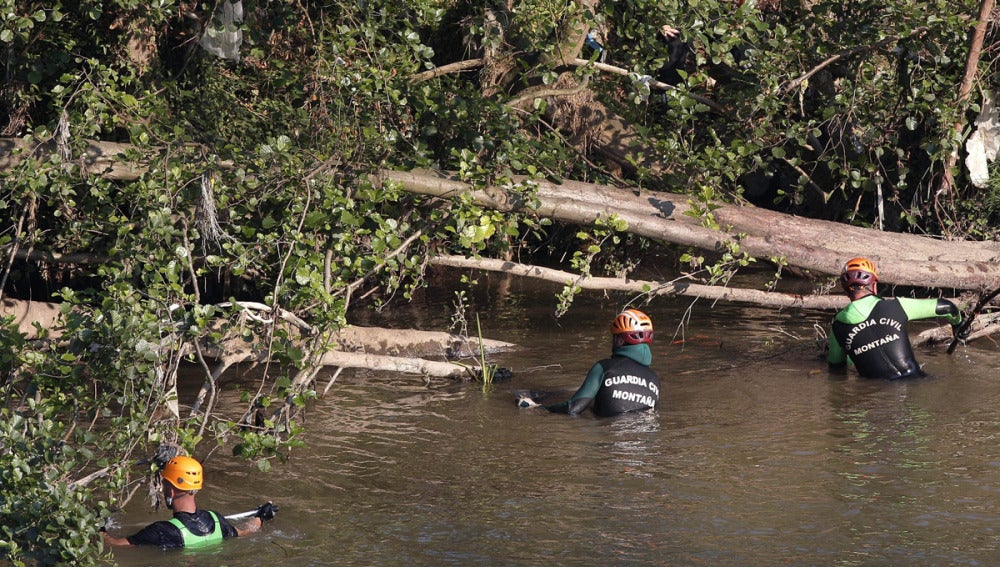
(619, 384)
(870, 332)
(680, 56)
(190, 527)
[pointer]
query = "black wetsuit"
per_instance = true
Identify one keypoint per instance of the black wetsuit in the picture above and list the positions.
(616, 385)
(871, 333)
(200, 524)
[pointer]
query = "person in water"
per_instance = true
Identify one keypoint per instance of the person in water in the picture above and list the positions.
(619, 384)
(190, 526)
(870, 332)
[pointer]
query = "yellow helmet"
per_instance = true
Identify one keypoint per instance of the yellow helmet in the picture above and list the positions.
(183, 472)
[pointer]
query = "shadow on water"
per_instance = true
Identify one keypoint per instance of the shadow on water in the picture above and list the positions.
(757, 456)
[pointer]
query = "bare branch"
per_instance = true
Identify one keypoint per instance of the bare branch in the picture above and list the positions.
(678, 287)
(653, 84)
(456, 67)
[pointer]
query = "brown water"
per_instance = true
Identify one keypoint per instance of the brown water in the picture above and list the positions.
(757, 456)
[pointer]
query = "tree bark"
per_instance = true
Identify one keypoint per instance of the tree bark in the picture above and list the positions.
(820, 247)
(105, 159)
(413, 343)
(968, 80)
(982, 326)
(668, 288)
(405, 365)
(29, 313)
(390, 348)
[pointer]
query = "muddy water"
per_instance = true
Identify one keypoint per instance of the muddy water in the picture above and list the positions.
(757, 457)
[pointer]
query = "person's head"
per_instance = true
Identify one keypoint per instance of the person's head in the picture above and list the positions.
(182, 476)
(859, 277)
(631, 327)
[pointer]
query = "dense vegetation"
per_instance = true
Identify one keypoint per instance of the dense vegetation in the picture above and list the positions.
(251, 181)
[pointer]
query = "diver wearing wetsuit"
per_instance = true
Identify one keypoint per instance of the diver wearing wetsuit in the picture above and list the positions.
(191, 526)
(871, 331)
(186, 530)
(622, 383)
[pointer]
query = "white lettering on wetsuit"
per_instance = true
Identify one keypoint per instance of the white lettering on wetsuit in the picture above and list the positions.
(627, 379)
(645, 400)
(874, 344)
(630, 379)
(633, 397)
(865, 324)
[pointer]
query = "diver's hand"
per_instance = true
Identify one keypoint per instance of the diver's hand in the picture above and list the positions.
(267, 511)
(961, 333)
(526, 402)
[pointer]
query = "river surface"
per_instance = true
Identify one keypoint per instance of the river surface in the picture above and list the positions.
(758, 456)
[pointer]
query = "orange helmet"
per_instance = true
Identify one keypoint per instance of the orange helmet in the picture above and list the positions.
(632, 327)
(183, 472)
(858, 272)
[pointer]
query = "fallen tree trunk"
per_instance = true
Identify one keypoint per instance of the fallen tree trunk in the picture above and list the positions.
(105, 159)
(982, 326)
(403, 344)
(405, 365)
(28, 314)
(99, 158)
(818, 246)
(412, 342)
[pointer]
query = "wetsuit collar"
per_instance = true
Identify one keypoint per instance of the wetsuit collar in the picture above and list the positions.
(640, 353)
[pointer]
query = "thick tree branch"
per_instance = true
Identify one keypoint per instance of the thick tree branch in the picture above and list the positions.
(678, 287)
(405, 365)
(984, 325)
(456, 67)
(529, 95)
(968, 80)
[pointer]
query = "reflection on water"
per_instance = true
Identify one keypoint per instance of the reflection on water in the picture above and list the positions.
(757, 457)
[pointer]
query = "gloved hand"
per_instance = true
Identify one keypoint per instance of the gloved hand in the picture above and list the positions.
(526, 402)
(105, 524)
(960, 333)
(267, 511)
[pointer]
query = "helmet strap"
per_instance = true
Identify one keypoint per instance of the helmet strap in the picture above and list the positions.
(172, 493)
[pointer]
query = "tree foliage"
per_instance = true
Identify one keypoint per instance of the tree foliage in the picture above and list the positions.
(254, 182)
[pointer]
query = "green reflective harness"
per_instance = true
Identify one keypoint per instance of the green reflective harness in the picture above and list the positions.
(192, 540)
